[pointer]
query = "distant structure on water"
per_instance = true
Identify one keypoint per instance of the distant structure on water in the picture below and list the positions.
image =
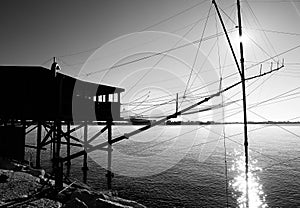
(139, 120)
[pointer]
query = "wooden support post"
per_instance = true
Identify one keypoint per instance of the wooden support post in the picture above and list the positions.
(23, 123)
(68, 170)
(58, 164)
(85, 166)
(38, 145)
(109, 174)
(68, 143)
(84, 176)
(54, 141)
(59, 175)
(58, 138)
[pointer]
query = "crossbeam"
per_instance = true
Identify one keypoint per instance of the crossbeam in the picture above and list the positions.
(127, 135)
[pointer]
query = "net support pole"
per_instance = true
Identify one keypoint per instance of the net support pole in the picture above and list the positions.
(244, 100)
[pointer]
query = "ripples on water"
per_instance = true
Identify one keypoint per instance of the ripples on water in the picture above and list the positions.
(194, 183)
(256, 195)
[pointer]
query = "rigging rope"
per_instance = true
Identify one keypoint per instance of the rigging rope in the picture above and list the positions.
(197, 52)
(175, 15)
(162, 57)
(223, 115)
(260, 26)
(144, 128)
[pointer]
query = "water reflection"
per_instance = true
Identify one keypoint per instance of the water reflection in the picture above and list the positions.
(257, 197)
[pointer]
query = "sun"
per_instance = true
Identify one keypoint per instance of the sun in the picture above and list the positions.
(236, 40)
(243, 39)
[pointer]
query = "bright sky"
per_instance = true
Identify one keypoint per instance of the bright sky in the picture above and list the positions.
(34, 31)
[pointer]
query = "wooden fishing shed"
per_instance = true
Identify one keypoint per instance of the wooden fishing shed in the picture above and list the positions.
(33, 97)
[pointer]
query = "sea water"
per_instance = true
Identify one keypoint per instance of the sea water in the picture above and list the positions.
(191, 166)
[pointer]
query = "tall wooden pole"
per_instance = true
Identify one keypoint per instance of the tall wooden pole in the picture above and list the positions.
(68, 144)
(85, 165)
(244, 98)
(109, 174)
(57, 160)
(53, 144)
(58, 165)
(38, 145)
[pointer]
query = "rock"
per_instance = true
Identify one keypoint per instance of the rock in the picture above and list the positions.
(88, 197)
(35, 172)
(113, 196)
(102, 196)
(18, 185)
(75, 203)
(107, 204)
(126, 202)
(98, 200)
(43, 202)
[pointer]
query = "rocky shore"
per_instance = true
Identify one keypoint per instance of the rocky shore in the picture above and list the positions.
(24, 186)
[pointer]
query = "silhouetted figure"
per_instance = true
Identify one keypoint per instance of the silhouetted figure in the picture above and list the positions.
(54, 67)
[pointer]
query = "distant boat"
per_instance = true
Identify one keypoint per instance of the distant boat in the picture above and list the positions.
(139, 120)
(173, 122)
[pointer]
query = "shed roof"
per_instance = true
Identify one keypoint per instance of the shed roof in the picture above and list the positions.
(13, 74)
(33, 92)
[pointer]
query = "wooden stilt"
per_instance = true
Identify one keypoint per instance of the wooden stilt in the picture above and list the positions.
(68, 144)
(84, 165)
(54, 141)
(38, 145)
(58, 164)
(23, 123)
(109, 174)
(58, 138)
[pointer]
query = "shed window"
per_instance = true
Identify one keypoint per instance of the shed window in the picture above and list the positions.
(110, 98)
(116, 97)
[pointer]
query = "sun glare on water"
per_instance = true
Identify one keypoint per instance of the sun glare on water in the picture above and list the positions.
(256, 195)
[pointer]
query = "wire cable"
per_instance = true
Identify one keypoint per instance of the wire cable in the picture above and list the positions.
(175, 15)
(197, 52)
(260, 26)
(223, 115)
(162, 58)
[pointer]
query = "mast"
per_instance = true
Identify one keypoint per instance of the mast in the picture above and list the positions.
(241, 69)
(244, 98)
